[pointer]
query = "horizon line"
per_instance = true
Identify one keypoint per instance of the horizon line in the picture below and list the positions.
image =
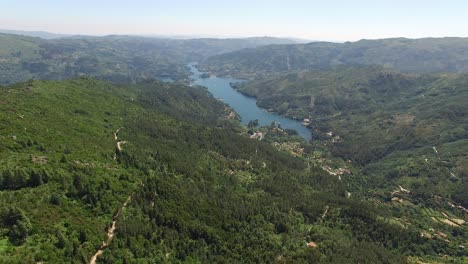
(213, 36)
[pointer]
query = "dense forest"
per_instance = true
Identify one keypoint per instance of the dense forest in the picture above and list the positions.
(406, 55)
(405, 135)
(198, 189)
(383, 120)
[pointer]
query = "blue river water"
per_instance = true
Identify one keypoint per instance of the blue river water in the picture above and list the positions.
(244, 105)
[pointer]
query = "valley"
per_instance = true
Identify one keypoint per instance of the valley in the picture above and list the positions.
(245, 106)
(119, 149)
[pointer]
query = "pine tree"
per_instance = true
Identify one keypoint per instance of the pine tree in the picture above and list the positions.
(35, 179)
(7, 180)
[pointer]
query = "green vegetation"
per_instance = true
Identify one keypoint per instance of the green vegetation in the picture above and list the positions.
(406, 55)
(381, 120)
(171, 168)
(200, 190)
(392, 129)
(114, 58)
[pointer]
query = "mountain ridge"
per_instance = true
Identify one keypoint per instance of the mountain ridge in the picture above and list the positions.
(402, 54)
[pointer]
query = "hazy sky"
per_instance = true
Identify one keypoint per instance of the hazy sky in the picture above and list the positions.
(317, 20)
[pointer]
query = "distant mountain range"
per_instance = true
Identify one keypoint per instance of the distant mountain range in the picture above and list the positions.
(406, 55)
(115, 58)
(49, 35)
(37, 34)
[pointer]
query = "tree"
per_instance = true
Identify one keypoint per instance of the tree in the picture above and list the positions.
(7, 180)
(44, 176)
(35, 178)
(61, 240)
(83, 236)
(19, 232)
(252, 123)
(20, 179)
(18, 224)
(78, 182)
(55, 199)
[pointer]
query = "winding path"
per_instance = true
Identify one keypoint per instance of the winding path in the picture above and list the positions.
(111, 231)
(119, 143)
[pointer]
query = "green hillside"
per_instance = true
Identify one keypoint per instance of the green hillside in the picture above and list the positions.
(399, 129)
(406, 55)
(183, 184)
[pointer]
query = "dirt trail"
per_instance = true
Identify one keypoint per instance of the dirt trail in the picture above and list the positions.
(326, 211)
(438, 156)
(116, 133)
(436, 152)
(119, 143)
(111, 230)
(110, 233)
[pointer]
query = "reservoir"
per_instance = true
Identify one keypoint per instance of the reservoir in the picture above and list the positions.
(244, 105)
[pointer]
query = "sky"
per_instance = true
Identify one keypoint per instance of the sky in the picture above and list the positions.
(332, 20)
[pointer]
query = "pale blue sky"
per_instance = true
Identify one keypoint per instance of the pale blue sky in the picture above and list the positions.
(318, 20)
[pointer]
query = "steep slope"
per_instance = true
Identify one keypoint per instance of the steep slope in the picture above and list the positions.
(191, 192)
(406, 55)
(387, 123)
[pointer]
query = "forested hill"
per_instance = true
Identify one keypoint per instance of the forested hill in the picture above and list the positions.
(113, 58)
(406, 55)
(404, 129)
(198, 190)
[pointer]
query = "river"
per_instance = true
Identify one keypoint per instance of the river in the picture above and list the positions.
(244, 105)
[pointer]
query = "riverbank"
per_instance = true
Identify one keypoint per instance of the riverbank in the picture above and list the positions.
(244, 105)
